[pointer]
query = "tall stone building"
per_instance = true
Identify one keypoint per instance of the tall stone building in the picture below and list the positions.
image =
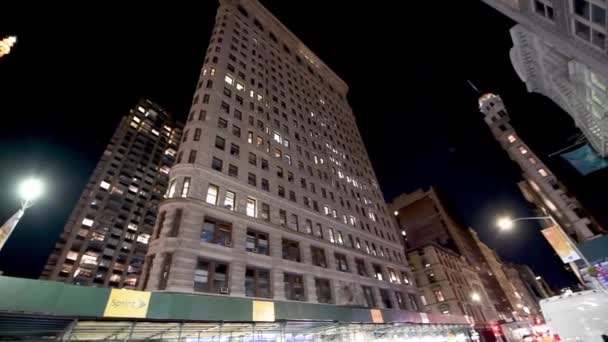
(273, 194)
(449, 285)
(425, 218)
(105, 239)
(522, 306)
(560, 51)
(540, 186)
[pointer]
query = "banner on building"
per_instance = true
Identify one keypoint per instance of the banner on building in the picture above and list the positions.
(560, 244)
(585, 160)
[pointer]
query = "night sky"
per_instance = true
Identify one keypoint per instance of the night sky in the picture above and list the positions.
(77, 69)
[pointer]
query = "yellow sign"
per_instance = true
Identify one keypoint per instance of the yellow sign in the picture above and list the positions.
(263, 311)
(562, 247)
(127, 303)
(376, 316)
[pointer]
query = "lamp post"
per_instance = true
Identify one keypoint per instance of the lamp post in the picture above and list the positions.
(29, 190)
(506, 223)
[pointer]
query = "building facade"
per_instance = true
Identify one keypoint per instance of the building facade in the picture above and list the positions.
(540, 186)
(424, 218)
(105, 239)
(528, 297)
(559, 50)
(536, 285)
(449, 285)
(273, 194)
(521, 305)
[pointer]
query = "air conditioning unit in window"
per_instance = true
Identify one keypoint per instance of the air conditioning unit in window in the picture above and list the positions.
(224, 290)
(228, 244)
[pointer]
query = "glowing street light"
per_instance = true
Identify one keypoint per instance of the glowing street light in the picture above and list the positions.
(6, 44)
(504, 223)
(28, 190)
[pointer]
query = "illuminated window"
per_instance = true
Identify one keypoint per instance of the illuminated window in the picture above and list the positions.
(543, 172)
(229, 79)
(550, 205)
(512, 138)
(186, 187)
(104, 185)
(212, 192)
(72, 255)
(330, 234)
(143, 238)
(340, 238)
(522, 150)
(251, 207)
(240, 86)
(141, 109)
(136, 119)
(532, 160)
(230, 200)
(439, 295)
(276, 137)
(172, 185)
(87, 222)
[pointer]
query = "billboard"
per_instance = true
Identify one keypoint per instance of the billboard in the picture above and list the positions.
(585, 160)
(560, 244)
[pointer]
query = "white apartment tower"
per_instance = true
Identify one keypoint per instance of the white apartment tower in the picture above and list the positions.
(273, 194)
(560, 51)
(540, 186)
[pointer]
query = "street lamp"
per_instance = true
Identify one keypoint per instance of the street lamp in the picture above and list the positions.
(507, 223)
(28, 190)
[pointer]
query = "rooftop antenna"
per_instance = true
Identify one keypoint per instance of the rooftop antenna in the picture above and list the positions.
(474, 87)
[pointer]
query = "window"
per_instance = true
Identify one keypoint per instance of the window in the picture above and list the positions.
(377, 271)
(323, 290)
(257, 283)
(369, 297)
(340, 238)
(590, 22)
(384, 297)
(293, 223)
(217, 232)
(251, 207)
(544, 8)
(318, 257)
(211, 276)
(229, 79)
(230, 200)
(341, 264)
(212, 192)
(186, 187)
(543, 172)
(392, 276)
(281, 191)
(294, 286)
(431, 277)
(511, 138)
(265, 184)
(192, 157)
(532, 160)
(265, 212)
(233, 171)
(252, 179)
(256, 242)
(444, 308)
(217, 164)
(252, 159)
(360, 265)
(165, 268)
(439, 295)
(236, 131)
(413, 302)
(423, 300)
(197, 134)
(405, 278)
(400, 301)
(291, 250)
(282, 218)
(522, 150)
(330, 235)
(222, 123)
(234, 150)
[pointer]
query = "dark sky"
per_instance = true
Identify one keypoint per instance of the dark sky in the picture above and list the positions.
(77, 69)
